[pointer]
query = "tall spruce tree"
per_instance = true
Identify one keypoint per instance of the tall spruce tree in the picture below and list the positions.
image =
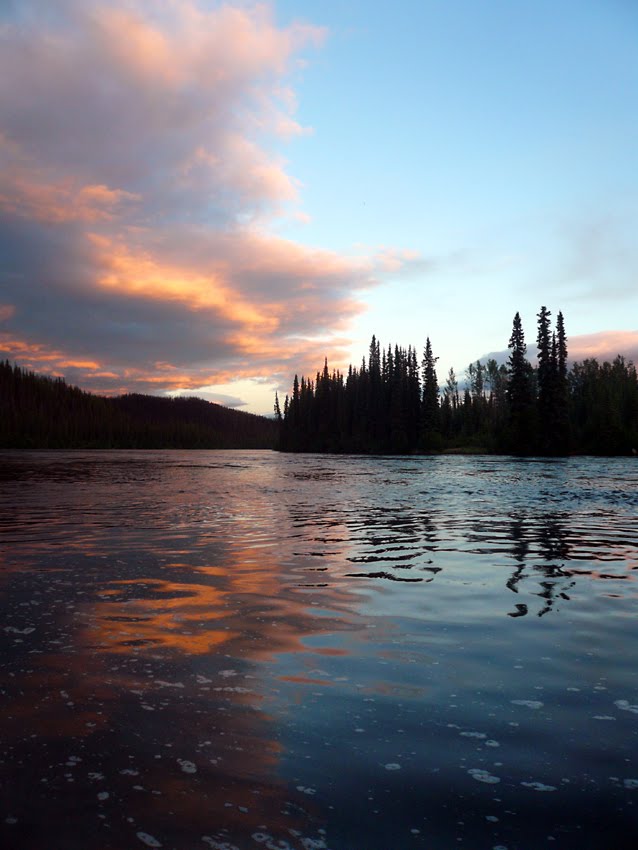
(520, 392)
(561, 390)
(546, 376)
(430, 406)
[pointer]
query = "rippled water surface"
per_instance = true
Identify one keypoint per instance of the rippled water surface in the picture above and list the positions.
(244, 649)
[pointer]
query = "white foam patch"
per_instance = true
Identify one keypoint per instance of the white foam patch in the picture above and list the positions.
(483, 776)
(392, 766)
(147, 839)
(528, 703)
(624, 705)
(187, 766)
(479, 735)
(538, 786)
(632, 784)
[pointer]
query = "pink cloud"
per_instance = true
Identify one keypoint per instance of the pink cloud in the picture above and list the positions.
(138, 186)
(605, 345)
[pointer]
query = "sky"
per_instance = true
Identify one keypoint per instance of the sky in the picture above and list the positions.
(206, 198)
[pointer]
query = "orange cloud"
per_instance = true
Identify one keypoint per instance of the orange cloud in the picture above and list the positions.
(605, 345)
(33, 196)
(138, 274)
(137, 188)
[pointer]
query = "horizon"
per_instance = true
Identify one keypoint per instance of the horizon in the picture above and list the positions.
(206, 198)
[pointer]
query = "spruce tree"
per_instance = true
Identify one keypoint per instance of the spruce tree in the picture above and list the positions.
(430, 406)
(561, 389)
(546, 383)
(519, 392)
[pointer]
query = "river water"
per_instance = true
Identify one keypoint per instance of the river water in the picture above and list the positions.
(246, 649)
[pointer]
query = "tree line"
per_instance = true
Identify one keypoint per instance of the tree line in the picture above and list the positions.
(393, 404)
(39, 412)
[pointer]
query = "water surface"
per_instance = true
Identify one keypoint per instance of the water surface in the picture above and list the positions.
(244, 649)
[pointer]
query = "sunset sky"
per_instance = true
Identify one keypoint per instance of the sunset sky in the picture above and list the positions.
(210, 197)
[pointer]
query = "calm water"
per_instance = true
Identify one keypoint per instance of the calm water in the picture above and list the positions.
(247, 650)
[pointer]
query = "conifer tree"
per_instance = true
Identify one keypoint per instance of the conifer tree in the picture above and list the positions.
(546, 383)
(430, 406)
(519, 391)
(561, 389)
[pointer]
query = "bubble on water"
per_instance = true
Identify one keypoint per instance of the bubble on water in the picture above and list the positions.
(538, 786)
(147, 839)
(187, 766)
(483, 776)
(528, 703)
(392, 766)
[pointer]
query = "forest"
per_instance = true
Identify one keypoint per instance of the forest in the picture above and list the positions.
(393, 404)
(39, 412)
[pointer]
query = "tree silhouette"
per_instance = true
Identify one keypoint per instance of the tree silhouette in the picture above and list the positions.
(520, 392)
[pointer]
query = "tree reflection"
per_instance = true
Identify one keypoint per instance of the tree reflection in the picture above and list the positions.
(545, 537)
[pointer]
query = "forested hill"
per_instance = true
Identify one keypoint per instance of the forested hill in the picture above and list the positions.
(393, 403)
(42, 412)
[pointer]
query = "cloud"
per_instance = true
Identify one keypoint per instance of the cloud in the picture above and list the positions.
(139, 180)
(6, 312)
(217, 398)
(602, 346)
(605, 345)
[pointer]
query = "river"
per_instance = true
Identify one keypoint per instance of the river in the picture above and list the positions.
(236, 650)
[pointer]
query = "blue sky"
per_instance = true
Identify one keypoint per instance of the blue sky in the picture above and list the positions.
(499, 141)
(207, 197)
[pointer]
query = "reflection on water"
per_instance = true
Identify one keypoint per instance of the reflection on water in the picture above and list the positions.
(241, 649)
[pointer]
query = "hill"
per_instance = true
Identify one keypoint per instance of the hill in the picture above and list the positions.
(39, 412)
